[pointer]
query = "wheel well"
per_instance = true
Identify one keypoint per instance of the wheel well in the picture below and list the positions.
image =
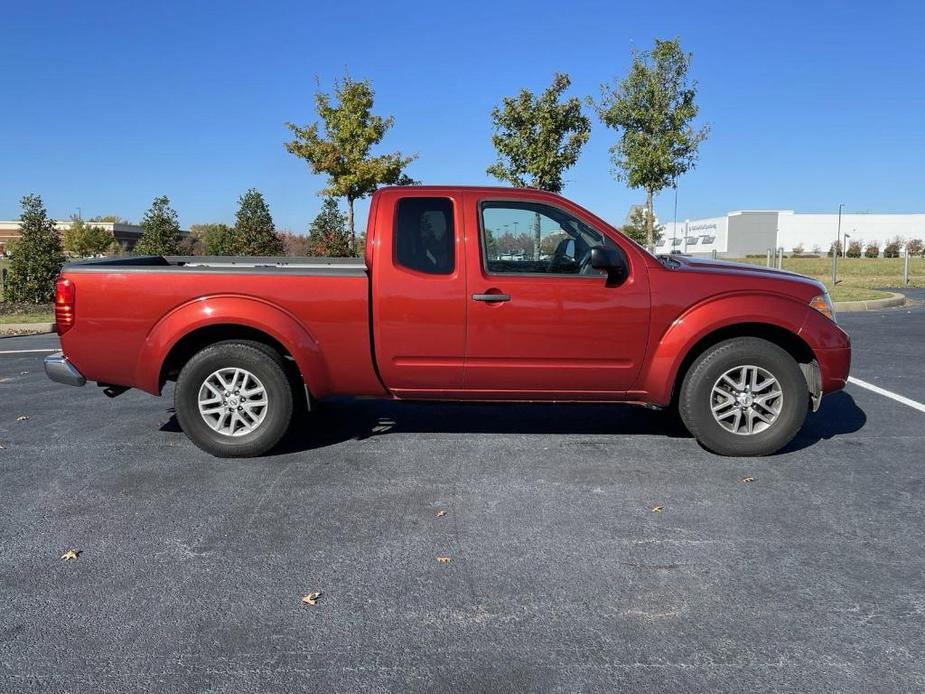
(783, 338)
(191, 343)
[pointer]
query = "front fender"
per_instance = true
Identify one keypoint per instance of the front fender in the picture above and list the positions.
(704, 318)
(230, 309)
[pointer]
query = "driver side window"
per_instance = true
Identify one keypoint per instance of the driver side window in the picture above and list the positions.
(511, 229)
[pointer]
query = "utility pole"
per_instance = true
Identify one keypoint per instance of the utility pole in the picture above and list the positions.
(835, 248)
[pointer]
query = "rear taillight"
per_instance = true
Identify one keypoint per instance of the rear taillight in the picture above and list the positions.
(65, 294)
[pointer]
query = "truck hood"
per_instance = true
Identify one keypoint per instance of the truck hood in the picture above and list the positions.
(782, 280)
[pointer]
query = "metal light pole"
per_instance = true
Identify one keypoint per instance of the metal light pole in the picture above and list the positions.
(675, 186)
(835, 249)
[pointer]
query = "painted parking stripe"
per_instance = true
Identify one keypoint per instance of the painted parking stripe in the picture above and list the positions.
(26, 351)
(887, 394)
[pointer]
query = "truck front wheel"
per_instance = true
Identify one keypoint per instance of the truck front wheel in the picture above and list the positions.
(234, 400)
(744, 397)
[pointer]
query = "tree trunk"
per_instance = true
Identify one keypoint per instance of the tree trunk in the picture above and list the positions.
(353, 236)
(536, 236)
(650, 222)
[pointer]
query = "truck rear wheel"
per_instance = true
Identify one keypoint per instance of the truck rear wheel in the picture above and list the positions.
(744, 397)
(234, 400)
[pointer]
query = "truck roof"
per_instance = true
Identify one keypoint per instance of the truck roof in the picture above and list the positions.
(474, 189)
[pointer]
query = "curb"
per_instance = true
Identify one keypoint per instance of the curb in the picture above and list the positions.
(19, 328)
(895, 299)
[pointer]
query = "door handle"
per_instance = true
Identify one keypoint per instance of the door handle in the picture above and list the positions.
(491, 298)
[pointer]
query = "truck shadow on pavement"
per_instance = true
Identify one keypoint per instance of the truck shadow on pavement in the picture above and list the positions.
(343, 419)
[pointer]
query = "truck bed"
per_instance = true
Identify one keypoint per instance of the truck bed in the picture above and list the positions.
(132, 311)
(304, 265)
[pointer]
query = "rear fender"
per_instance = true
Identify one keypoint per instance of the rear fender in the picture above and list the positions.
(699, 321)
(231, 310)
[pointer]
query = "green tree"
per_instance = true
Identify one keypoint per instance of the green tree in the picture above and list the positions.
(327, 234)
(638, 227)
(892, 248)
(214, 239)
(84, 240)
(254, 233)
(537, 139)
(340, 146)
(652, 109)
(109, 218)
(160, 229)
(37, 256)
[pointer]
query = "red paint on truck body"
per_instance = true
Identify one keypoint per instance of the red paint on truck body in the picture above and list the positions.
(557, 338)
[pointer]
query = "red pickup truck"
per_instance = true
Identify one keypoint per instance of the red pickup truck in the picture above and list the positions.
(464, 294)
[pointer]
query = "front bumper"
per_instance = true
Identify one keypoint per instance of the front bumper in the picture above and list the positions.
(59, 369)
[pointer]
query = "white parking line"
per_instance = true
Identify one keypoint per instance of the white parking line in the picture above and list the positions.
(887, 394)
(26, 351)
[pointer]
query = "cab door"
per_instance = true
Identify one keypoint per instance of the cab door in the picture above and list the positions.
(419, 291)
(542, 324)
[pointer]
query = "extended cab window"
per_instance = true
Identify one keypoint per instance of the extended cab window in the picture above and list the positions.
(425, 236)
(527, 237)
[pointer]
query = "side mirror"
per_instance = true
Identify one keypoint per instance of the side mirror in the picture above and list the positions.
(612, 261)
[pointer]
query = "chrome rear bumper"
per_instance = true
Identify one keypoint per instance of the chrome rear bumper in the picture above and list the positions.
(59, 369)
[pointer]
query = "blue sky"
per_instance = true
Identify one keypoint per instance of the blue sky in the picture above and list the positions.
(107, 105)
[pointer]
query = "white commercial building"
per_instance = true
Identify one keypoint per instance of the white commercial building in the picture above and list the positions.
(754, 232)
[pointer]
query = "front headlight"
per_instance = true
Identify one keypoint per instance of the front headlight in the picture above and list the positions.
(823, 304)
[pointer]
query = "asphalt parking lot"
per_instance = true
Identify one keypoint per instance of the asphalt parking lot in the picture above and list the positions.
(810, 577)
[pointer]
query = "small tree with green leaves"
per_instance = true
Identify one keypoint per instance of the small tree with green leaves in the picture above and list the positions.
(855, 248)
(83, 240)
(327, 234)
(37, 256)
(537, 139)
(638, 227)
(652, 108)
(254, 233)
(213, 239)
(340, 146)
(892, 248)
(160, 229)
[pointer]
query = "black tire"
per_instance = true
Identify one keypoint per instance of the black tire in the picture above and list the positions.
(261, 361)
(696, 398)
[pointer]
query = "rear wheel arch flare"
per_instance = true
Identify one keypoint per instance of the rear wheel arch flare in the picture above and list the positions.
(196, 340)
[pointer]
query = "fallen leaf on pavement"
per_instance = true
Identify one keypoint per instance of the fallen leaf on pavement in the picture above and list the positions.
(311, 598)
(70, 554)
(22, 418)
(656, 509)
(748, 479)
(441, 513)
(443, 560)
